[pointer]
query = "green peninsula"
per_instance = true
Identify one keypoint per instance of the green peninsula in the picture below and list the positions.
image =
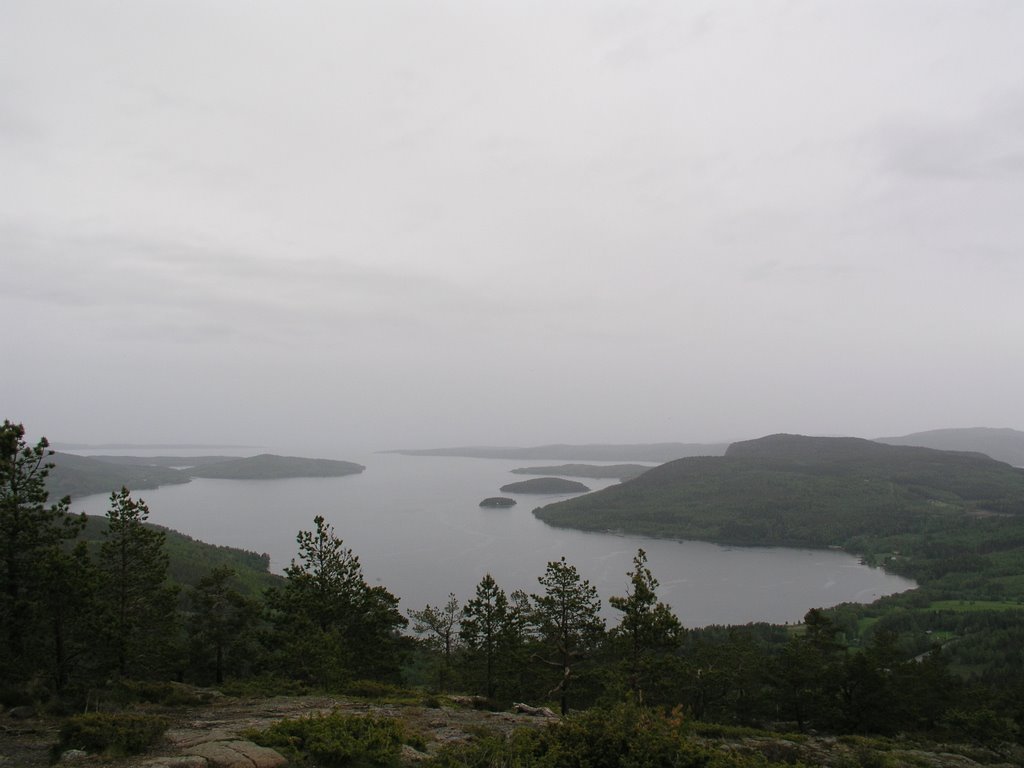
(77, 476)
(84, 475)
(790, 490)
(268, 466)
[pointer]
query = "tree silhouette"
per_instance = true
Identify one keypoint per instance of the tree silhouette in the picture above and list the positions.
(31, 534)
(648, 629)
(568, 622)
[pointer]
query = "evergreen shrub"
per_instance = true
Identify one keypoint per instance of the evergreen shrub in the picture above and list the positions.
(115, 735)
(335, 740)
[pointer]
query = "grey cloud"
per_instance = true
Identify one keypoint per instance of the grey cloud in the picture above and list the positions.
(603, 216)
(194, 282)
(988, 145)
(769, 270)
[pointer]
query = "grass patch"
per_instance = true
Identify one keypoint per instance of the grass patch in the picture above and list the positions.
(160, 692)
(264, 686)
(382, 692)
(864, 624)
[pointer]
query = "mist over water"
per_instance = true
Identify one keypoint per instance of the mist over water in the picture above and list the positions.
(417, 528)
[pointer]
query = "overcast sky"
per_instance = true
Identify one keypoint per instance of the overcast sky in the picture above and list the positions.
(329, 227)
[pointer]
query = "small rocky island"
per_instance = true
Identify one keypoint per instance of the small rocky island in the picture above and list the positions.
(545, 485)
(497, 501)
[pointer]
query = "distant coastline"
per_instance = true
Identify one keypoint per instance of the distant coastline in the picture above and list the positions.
(150, 446)
(75, 475)
(652, 452)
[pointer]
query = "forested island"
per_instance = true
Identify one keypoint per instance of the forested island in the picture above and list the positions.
(545, 485)
(498, 502)
(932, 677)
(75, 476)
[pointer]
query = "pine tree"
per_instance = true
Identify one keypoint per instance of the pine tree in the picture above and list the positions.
(649, 631)
(808, 672)
(330, 624)
(568, 622)
(484, 628)
(31, 534)
(220, 625)
(441, 627)
(67, 605)
(138, 606)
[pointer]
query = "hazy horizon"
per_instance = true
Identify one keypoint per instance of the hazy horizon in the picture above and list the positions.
(338, 452)
(339, 228)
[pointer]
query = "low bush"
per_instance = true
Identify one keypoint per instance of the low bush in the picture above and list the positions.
(336, 740)
(264, 685)
(161, 692)
(115, 735)
(621, 737)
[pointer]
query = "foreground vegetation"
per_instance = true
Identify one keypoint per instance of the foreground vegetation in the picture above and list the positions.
(941, 662)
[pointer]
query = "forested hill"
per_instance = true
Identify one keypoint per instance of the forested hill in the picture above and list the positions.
(1001, 444)
(84, 475)
(190, 560)
(803, 491)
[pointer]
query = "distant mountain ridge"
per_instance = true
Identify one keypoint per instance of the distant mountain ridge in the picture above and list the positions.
(1002, 444)
(618, 471)
(173, 462)
(659, 452)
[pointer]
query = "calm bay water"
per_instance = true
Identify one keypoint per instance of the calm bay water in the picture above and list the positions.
(417, 528)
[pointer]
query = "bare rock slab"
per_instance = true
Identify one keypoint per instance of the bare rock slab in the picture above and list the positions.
(183, 738)
(179, 761)
(236, 754)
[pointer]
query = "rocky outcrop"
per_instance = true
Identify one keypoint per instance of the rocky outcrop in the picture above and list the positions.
(526, 709)
(237, 754)
(178, 761)
(217, 749)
